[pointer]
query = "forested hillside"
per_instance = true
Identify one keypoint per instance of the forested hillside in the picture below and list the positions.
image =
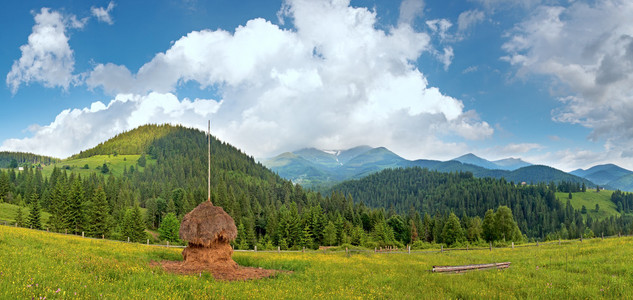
(394, 207)
(535, 207)
(15, 159)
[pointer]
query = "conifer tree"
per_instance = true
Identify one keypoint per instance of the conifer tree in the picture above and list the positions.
(452, 232)
(35, 221)
(134, 225)
(19, 218)
(73, 214)
(169, 228)
(98, 215)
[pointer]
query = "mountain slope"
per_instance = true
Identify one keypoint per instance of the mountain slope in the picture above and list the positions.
(21, 158)
(511, 164)
(477, 161)
(603, 174)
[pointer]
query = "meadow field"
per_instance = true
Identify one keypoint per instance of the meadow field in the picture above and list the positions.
(36, 264)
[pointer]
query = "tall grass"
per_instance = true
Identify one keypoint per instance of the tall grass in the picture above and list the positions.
(36, 264)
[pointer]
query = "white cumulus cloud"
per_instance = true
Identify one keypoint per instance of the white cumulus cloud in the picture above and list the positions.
(103, 14)
(334, 81)
(588, 49)
(46, 58)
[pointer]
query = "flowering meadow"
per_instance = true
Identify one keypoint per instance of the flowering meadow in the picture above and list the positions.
(41, 265)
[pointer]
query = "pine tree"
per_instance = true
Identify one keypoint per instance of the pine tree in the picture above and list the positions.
(35, 221)
(169, 228)
(488, 227)
(240, 241)
(452, 232)
(19, 218)
(329, 234)
(98, 215)
(134, 225)
(73, 214)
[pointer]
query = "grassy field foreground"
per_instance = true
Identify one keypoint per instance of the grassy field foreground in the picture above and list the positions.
(35, 264)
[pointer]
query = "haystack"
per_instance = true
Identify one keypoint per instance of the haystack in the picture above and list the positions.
(208, 229)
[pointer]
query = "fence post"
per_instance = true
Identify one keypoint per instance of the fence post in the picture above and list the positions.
(148, 242)
(82, 234)
(255, 248)
(536, 243)
(278, 249)
(128, 239)
(46, 227)
(490, 246)
(581, 238)
(409, 249)
(167, 244)
(512, 245)
(466, 247)
(103, 236)
(559, 241)
(346, 251)
(374, 249)
(619, 234)
(442, 248)
(65, 231)
(304, 250)
(603, 235)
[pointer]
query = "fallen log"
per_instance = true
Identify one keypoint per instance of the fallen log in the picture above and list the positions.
(464, 268)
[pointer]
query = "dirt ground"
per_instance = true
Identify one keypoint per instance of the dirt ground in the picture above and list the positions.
(219, 271)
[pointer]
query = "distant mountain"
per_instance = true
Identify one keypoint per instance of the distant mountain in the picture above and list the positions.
(477, 161)
(322, 168)
(609, 175)
(511, 163)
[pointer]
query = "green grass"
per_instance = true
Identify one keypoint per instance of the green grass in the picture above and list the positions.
(36, 264)
(589, 199)
(8, 212)
(116, 164)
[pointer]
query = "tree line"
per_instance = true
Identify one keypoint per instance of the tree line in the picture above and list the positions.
(391, 208)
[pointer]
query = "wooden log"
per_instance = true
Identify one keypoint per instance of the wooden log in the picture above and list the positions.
(464, 268)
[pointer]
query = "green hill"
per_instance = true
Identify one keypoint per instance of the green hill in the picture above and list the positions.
(24, 159)
(9, 211)
(589, 199)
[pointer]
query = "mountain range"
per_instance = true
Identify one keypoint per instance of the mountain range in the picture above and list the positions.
(316, 168)
(609, 176)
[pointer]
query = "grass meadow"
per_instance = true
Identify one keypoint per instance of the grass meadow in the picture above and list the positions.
(589, 199)
(36, 264)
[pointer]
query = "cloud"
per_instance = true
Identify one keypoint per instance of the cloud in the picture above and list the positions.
(588, 50)
(410, 10)
(103, 14)
(440, 27)
(469, 18)
(334, 81)
(47, 57)
(74, 130)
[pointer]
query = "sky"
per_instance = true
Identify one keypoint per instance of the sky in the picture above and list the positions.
(550, 82)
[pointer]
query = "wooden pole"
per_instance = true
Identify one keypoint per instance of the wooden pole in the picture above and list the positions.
(148, 242)
(278, 249)
(490, 246)
(512, 245)
(409, 249)
(209, 180)
(167, 244)
(128, 239)
(442, 248)
(559, 241)
(82, 234)
(255, 248)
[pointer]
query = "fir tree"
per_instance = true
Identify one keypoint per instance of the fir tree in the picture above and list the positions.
(452, 232)
(19, 218)
(169, 228)
(134, 225)
(35, 221)
(98, 215)
(73, 214)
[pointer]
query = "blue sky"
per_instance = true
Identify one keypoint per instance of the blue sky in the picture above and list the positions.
(546, 81)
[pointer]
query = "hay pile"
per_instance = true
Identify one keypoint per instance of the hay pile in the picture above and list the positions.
(209, 230)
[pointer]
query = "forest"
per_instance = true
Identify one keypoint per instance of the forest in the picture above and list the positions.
(395, 207)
